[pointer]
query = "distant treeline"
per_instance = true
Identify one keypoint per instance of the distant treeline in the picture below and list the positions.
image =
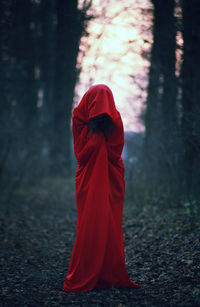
(39, 44)
(38, 53)
(172, 144)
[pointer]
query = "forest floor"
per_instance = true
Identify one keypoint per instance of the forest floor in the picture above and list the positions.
(37, 232)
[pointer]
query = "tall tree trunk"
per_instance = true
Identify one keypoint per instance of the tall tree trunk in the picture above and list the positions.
(191, 97)
(6, 24)
(153, 98)
(25, 87)
(47, 77)
(69, 30)
(19, 92)
(169, 119)
(161, 111)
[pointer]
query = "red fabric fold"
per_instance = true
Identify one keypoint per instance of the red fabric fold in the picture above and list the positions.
(98, 259)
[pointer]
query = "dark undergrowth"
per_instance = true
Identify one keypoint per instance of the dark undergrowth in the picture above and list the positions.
(37, 232)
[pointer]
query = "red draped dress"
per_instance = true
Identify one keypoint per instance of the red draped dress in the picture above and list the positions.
(98, 259)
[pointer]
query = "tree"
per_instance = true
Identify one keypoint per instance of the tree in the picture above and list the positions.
(68, 33)
(6, 20)
(47, 43)
(161, 112)
(19, 89)
(38, 55)
(191, 98)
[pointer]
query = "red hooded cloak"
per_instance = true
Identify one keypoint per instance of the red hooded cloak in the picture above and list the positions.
(98, 259)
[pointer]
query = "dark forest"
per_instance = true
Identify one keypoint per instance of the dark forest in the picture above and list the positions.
(39, 47)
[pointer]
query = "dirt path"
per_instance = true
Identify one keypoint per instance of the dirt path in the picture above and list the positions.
(37, 232)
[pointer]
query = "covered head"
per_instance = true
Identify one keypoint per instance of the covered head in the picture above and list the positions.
(100, 100)
(96, 101)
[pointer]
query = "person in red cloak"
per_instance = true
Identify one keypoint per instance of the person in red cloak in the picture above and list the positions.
(98, 259)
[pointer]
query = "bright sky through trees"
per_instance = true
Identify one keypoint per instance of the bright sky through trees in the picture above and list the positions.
(116, 52)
